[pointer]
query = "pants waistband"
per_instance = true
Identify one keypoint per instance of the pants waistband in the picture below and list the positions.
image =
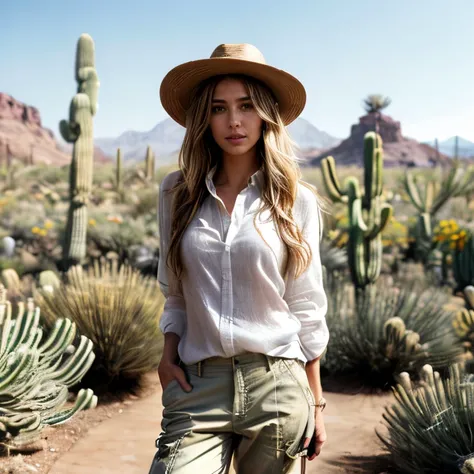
(238, 360)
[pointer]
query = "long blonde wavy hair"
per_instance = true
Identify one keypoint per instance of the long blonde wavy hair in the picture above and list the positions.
(200, 153)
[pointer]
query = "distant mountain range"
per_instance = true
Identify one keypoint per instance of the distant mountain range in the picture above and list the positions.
(465, 147)
(166, 138)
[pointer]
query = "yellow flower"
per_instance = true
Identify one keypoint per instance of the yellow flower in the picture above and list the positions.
(43, 232)
(116, 219)
(35, 230)
(443, 223)
(92, 222)
(48, 224)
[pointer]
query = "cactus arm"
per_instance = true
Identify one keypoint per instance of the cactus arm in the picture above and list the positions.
(412, 191)
(330, 180)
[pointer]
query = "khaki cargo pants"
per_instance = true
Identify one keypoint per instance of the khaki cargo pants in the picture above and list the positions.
(251, 408)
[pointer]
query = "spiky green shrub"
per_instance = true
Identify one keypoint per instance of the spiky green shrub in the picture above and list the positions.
(430, 426)
(429, 196)
(119, 310)
(36, 371)
(385, 329)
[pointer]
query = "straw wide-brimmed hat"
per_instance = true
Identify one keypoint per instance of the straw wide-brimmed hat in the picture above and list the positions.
(178, 85)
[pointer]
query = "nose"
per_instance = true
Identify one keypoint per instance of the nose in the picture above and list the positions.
(234, 119)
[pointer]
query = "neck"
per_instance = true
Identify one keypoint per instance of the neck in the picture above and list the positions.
(234, 171)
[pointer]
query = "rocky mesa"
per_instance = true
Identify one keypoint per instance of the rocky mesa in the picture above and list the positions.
(398, 150)
(23, 137)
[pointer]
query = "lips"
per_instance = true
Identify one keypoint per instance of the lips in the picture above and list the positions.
(235, 137)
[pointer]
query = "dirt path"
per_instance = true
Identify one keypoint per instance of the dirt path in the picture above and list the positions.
(125, 443)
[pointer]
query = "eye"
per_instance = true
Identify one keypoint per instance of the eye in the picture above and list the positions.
(247, 106)
(216, 109)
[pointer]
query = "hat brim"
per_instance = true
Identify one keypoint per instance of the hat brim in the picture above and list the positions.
(177, 86)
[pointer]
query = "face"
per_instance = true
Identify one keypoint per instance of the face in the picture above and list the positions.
(235, 124)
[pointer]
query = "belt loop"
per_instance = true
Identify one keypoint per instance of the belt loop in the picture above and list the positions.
(270, 361)
(199, 367)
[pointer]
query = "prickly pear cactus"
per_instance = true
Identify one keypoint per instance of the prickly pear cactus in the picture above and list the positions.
(79, 131)
(368, 216)
(35, 373)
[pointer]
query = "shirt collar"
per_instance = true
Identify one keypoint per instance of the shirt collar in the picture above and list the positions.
(255, 180)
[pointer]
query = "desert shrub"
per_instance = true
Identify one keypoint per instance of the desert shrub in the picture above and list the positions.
(117, 233)
(430, 425)
(119, 310)
(36, 371)
(386, 329)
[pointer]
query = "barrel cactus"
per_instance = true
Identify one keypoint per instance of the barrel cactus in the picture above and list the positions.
(429, 426)
(79, 131)
(368, 215)
(35, 373)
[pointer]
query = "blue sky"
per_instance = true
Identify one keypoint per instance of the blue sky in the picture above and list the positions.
(420, 53)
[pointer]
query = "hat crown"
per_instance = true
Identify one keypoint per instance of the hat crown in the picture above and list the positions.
(245, 51)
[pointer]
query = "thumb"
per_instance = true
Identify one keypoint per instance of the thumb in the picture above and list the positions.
(181, 378)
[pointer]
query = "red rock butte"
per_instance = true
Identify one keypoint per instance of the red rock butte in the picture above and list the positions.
(23, 137)
(398, 150)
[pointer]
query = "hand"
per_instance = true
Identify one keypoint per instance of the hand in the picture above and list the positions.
(319, 437)
(168, 371)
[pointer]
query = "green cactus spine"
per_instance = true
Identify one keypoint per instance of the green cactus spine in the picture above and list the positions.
(368, 216)
(79, 131)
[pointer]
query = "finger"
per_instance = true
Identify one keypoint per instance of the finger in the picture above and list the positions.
(317, 451)
(306, 442)
(181, 378)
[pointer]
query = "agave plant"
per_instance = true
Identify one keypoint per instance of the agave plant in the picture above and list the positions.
(430, 426)
(36, 372)
(119, 310)
(388, 329)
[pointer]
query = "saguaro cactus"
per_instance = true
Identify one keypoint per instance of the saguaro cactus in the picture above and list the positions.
(368, 216)
(149, 163)
(79, 131)
(118, 171)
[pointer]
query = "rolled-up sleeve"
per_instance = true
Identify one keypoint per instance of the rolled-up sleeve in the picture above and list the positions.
(173, 318)
(305, 295)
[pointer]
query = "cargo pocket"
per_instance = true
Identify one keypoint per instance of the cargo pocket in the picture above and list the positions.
(296, 449)
(165, 458)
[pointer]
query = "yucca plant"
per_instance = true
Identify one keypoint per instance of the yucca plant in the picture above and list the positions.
(388, 329)
(430, 426)
(36, 372)
(119, 310)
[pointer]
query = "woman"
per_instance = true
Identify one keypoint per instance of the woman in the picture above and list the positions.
(244, 318)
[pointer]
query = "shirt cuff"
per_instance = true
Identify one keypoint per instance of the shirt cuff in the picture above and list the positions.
(314, 342)
(173, 318)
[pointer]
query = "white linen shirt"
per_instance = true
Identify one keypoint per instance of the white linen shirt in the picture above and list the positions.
(234, 296)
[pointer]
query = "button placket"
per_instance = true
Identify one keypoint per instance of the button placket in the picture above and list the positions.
(227, 309)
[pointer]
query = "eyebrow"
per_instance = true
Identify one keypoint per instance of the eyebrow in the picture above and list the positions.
(222, 101)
